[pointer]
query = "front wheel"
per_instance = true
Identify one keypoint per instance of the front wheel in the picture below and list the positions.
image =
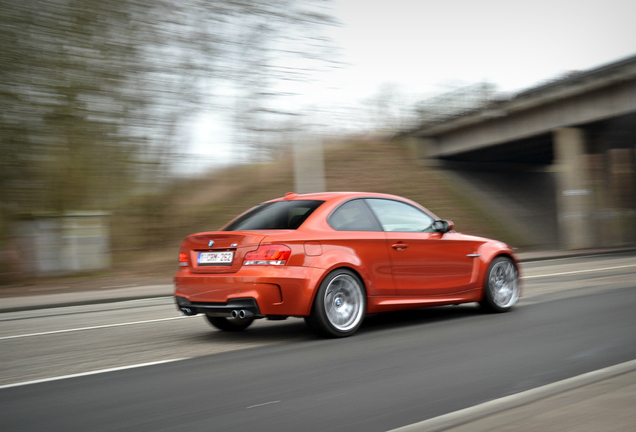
(230, 324)
(340, 304)
(501, 290)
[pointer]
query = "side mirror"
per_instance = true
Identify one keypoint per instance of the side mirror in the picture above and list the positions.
(442, 226)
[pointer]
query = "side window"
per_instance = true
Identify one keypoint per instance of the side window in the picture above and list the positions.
(353, 216)
(400, 217)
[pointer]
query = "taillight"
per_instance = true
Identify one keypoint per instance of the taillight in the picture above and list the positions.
(183, 259)
(268, 255)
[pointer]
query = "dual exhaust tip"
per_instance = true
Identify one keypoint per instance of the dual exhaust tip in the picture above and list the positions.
(235, 314)
(241, 314)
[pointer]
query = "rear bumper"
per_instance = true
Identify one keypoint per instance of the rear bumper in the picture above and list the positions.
(287, 290)
(217, 309)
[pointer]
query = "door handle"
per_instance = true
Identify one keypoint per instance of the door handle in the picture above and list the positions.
(400, 246)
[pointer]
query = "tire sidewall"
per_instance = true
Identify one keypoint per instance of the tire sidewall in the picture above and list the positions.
(488, 301)
(319, 317)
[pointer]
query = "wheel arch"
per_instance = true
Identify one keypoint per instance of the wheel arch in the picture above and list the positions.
(340, 313)
(489, 252)
(486, 267)
(340, 266)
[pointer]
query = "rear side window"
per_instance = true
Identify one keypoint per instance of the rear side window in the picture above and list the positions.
(353, 216)
(275, 215)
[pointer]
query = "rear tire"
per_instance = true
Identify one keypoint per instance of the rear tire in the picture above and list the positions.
(340, 305)
(230, 324)
(501, 288)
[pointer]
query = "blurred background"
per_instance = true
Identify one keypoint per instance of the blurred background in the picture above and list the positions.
(127, 124)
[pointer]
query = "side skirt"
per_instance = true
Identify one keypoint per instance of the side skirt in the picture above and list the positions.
(395, 303)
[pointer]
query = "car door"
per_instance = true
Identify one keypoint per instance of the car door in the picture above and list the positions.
(359, 231)
(423, 262)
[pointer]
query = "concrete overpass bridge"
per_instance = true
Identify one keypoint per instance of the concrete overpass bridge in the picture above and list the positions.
(557, 160)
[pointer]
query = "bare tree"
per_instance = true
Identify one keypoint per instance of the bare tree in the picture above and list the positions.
(96, 94)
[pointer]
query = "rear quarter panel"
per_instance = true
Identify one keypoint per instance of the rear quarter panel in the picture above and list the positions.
(363, 252)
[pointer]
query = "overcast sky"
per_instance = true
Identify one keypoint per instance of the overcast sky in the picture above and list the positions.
(421, 44)
(425, 47)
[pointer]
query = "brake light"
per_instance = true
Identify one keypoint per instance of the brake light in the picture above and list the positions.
(268, 255)
(183, 259)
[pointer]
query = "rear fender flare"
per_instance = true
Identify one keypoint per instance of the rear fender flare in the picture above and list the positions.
(330, 262)
(326, 273)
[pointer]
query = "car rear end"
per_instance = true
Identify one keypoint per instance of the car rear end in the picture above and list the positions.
(250, 272)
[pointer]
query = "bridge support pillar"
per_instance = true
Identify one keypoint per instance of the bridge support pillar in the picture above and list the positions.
(574, 200)
(622, 197)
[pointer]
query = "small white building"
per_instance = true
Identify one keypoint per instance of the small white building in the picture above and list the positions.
(63, 243)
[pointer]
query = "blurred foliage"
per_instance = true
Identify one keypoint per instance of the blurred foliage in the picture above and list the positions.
(457, 102)
(96, 95)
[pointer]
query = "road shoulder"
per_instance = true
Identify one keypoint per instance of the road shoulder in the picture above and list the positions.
(598, 400)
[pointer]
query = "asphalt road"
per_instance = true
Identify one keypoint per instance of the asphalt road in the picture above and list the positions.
(577, 315)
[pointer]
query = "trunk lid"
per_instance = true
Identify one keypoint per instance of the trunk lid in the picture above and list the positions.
(219, 252)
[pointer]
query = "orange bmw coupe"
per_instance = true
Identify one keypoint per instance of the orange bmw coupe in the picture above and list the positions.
(331, 258)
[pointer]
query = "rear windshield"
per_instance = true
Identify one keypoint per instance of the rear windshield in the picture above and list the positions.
(275, 215)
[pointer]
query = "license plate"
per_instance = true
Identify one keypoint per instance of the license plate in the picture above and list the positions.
(215, 258)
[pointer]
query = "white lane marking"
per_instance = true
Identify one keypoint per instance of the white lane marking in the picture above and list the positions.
(263, 404)
(578, 271)
(180, 317)
(92, 328)
(95, 372)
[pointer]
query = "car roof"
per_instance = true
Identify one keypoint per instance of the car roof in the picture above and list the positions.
(333, 199)
(338, 196)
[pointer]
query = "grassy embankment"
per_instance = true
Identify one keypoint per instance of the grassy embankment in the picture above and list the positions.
(146, 233)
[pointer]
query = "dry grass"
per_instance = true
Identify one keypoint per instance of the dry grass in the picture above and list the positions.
(147, 233)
